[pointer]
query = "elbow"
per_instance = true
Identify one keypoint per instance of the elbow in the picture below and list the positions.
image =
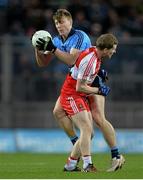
(78, 89)
(72, 61)
(40, 65)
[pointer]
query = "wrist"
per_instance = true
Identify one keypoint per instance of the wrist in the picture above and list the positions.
(54, 49)
(96, 90)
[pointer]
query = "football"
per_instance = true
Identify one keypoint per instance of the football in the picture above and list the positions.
(40, 34)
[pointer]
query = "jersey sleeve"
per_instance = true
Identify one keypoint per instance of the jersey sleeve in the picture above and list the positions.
(87, 67)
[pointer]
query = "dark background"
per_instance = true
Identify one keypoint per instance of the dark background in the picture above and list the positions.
(28, 93)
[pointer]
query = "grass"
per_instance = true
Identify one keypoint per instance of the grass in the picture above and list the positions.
(49, 166)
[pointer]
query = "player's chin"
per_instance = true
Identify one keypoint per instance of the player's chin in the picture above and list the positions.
(108, 57)
(60, 33)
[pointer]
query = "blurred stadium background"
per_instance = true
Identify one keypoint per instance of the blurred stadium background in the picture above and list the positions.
(28, 93)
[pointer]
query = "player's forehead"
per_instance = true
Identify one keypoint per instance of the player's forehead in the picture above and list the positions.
(62, 19)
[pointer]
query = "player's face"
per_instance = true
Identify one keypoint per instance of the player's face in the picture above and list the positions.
(110, 52)
(63, 26)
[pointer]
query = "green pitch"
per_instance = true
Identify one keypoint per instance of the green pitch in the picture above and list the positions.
(50, 166)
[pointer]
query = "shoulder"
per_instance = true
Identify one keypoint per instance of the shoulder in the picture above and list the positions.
(87, 52)
(80, 32)
(80, 40)
(82, 37)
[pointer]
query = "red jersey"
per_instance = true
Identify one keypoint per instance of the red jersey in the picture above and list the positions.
(86, 67)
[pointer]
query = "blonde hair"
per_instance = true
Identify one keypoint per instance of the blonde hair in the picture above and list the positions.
(61, 13)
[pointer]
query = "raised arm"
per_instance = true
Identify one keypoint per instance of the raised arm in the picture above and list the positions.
(42, 45)
(42, 59)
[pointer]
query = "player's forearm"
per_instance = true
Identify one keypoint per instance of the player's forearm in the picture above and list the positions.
(67, 58)
(42, 59)
(84, 88)
(39, 58)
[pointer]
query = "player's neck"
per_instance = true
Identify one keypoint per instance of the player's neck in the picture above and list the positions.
(64, 37)
(99, 53)
(67, 34)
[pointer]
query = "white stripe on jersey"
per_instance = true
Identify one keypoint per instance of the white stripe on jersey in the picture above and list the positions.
(86, 68)
(89, 67)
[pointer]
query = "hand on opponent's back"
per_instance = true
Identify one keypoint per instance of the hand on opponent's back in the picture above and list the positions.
(103, 89)
(103, 74)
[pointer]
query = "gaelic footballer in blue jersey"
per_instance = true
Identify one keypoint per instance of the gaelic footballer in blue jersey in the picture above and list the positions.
(70, 41)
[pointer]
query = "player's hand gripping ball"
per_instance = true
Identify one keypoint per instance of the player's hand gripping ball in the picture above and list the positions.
(46, 36)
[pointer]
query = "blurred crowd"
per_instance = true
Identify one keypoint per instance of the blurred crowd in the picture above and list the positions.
(21, 18)
(123, 17)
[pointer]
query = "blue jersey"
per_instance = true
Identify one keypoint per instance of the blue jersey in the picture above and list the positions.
(76, 39)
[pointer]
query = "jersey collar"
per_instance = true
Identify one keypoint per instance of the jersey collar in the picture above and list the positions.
(72, 31)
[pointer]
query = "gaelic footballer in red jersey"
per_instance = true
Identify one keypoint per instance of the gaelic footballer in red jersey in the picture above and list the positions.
(85, 68)
(77, 86)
